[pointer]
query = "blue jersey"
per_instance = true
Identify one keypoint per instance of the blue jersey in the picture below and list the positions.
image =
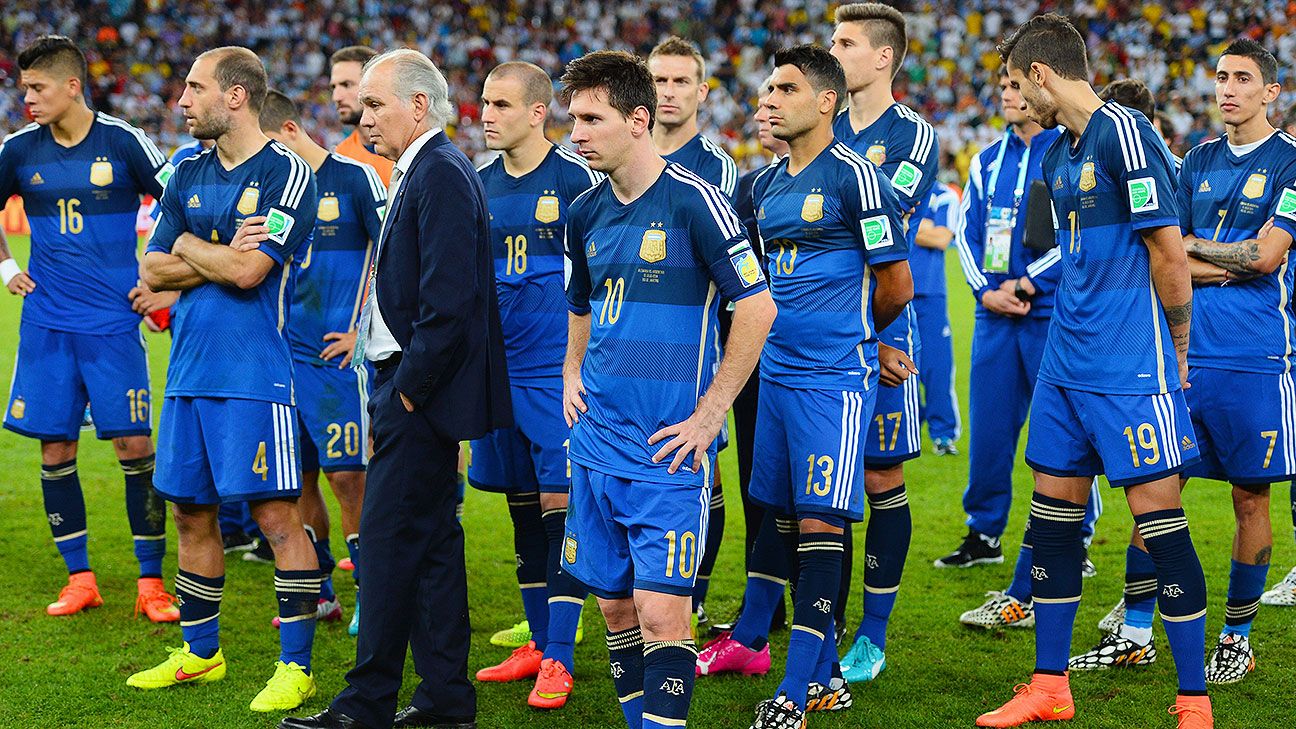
(928, 264)
(1109, 334)
(185, 151)
(229, 342)
(650, 274)
(1246, 326)
(823, 228)
(527, 215)
(708, 160)
(330, 284)
(81, 203)
(904, 146)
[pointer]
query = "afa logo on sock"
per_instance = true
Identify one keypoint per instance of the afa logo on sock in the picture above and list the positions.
(673, 686)
(1172, 590)
(617, 670)
(1038, 573)
(823, 605)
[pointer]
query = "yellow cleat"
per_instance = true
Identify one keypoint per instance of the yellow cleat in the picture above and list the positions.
(288, 688)
(182, 666)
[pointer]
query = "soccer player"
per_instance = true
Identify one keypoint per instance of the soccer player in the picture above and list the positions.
(838, 261)
(231, 222)
(332, 396)
(679, 73)
(1109, 397)
(1237, 209)
(345, 67)
(939, 408)
(80, 174)
(870, 41)
(529, 187)
(651, 250)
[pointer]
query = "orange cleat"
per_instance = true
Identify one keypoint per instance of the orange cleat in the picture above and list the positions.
(552, 686)
(1045, 698)
(523, 664)
(80, 593)
(345, 564)
(1194, 712)
(155, 602)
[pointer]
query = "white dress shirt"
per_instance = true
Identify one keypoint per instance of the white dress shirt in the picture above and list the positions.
(381, 342)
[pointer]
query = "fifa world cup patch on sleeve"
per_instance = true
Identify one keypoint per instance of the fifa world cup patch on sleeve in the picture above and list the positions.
(747, 267)
(877, 232)
(906, 178)
(1143, 195)
(163, 175)
(1287, 204)
(278, 223)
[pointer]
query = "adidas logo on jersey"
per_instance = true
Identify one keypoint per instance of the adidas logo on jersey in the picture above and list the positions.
(36, 179)
(1205, 186)
(194, 202)
(1186, 443)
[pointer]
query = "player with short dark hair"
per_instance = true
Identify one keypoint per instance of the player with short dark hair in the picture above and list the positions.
(651, 251)
(1099, 408)
(230, 226)
(81, 174)
(345, 67)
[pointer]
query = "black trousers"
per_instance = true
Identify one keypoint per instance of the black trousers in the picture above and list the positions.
(415, 589)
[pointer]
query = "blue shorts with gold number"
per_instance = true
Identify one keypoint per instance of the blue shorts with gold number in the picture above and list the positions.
(531, 455)
(893, 433)
(1133, 439)
(216, 450)
(58, 373)
(624, 535)
(1245, 424)
(333, 416)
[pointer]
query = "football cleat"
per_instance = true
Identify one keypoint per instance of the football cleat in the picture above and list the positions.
(181, 666)
(944, 447)
(1045, 698)
(1113, 651)
(328, 611)
(1115, 618)
(552, 687)
(1231, 660)
(354, 628)
(80, 592)
(726, 655)
(515, 637)
(836, 696)
(863, 661)
(346, 565)
(522, 664)
(1000, 610)
(1282, 594)
(262, 553)
(1087, 567)
(153, 600)
(977, 548)
(238, 542)
(778, 713)
(288, 688)
(1194, 712)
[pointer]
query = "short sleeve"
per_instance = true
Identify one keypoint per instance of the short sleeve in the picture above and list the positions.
(8, 172)
(290, 216)
(910, 164)
(720, 241)
(1183, 193)
(170, 222)
(370, 200)
(1141, 168)
(147, 165)
(576, 276)
(1284, 206)
(875, 210)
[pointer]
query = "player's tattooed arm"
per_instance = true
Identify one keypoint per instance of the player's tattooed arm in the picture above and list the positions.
(1244, 259)
(1205, 273)
(1170, 277)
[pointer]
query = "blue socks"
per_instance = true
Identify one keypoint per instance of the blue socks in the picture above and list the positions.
(297, 592)
(1020, 587)
(200, 599)
(766, 580)
(323, 553)
(1140, 592)
(626, 661)
(886, 544)
(714, 536)
(1056, 578)
(566, 594)
(820, 555)
(146, 512)
(531, 548)
(353, 551)
(1182, 593)
(66, 512)
(668, 670)
(1246, 584)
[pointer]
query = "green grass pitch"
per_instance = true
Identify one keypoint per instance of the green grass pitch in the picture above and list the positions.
(71, 672)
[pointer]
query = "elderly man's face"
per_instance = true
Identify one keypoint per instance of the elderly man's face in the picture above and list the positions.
(389, 121)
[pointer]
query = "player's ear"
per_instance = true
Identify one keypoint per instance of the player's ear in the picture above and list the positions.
(885, 54)
(1271, 92)
(639, 120)
(704, 88)
(539, 111)
(1039, 73)
(827, 101)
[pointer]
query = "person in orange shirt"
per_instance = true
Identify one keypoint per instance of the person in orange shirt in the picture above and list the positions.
(344, 81)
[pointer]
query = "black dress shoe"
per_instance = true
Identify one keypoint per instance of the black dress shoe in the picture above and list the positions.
(411, 716)
(326, 719)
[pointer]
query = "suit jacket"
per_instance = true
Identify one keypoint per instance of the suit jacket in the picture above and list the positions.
(436, 291)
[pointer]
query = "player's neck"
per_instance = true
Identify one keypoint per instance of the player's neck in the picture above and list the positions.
(73, 126)
(868, 104)
(1251, 130)
(668, 140)
(237, 146)
(1026, 131)
(528, 155)
(312, 153)
(637, 174)
(806, 148)
(1077, 103)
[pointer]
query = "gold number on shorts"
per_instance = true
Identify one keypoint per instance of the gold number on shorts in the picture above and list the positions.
(819, 488)
(567, 449)
(349, 434)
(1272, 435)
(881, 419)
(139, 404)
(687, 553)
(259, 463)
(1147, 441)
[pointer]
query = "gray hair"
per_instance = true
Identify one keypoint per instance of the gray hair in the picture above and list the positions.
(413, 74)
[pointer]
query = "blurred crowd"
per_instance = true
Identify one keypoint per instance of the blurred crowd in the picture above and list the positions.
(140, 50)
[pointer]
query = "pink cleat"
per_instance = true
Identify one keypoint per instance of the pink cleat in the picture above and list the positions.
(726, 655)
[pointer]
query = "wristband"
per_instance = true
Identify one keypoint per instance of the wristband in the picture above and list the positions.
(1020, 292)
(8, 269)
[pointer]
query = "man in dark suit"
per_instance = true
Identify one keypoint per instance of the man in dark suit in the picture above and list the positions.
(430, 326)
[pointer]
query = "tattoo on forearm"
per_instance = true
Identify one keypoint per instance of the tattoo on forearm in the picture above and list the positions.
(1236, 257)
(1179, 315)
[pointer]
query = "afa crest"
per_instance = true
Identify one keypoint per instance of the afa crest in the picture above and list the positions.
(812, 208)
(247, 203)
(1088, 180)
(569, 549)
(876, 154)
(546, 209)
(653, 247)
(1255, 186)
(328, 208)
(101, 172)
(18, 409)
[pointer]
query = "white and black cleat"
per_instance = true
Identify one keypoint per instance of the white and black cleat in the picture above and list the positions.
(1000, 610)
(1113, 651)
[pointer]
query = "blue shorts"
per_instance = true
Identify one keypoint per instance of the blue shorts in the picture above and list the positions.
(332, 416)
(1245, 424)
(625, 535)
(531, 455)
(58, 373)
(1133, 439)
(217, 450)
(809, 455)
(893, 434)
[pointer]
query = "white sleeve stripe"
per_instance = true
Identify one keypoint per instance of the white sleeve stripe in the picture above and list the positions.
(29, 128)
(567, 154)
(728, 169)
(1044, 262)
(725, 220)
(971, 271)
(1120, 134)
(870, 173)
(1127, 132)
(867, 201)
(298, 177)
(376, 187)
(924, 135)
(150, 150)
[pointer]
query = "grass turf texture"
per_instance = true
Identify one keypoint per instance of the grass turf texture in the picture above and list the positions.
(71, 672)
